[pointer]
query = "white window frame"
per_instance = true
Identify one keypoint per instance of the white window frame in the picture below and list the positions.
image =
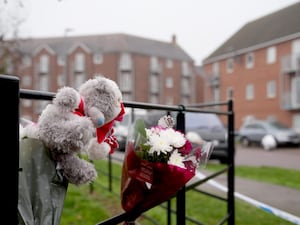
(215, 68)
(169, 63)
(295, 92)
(26, 61)
(98, 58)
(126, 80)
(154, 65)
(185, 69)
(229, 65)
(61, 60)
(154, 84)
(249, 60)
(79, 62)
(169, 82)
(125, 61)
(271, 89)
(44, 64)
(271, 55)
(249, 92)
(185, 86)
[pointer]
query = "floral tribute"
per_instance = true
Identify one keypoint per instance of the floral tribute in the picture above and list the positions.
(159, 161)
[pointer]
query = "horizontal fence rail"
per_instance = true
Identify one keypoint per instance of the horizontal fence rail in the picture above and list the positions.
(9, 86)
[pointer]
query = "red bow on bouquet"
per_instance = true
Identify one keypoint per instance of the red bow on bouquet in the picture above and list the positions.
(158, 162)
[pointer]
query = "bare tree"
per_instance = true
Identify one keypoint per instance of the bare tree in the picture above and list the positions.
(12, 15)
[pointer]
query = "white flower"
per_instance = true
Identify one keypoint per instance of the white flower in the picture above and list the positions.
(156, 142)
(175, 138)
(176, 159)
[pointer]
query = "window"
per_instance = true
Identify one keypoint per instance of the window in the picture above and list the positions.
(154, 83)
(125, 62)
(26, 61)
(215, 69)
(185, 86)
(61, 60)
(271, 89)
(271, 55)
(79, 62)
(154, 65)
(169, 63)
(185, 69)
(98, 58)
(295, 92)
(126, 81)
(169, 82)
(44, 82)
(229, 65)
(249, 92)
(249, 60)
(44, 64)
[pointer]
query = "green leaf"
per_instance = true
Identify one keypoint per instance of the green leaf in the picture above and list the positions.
(139, 128)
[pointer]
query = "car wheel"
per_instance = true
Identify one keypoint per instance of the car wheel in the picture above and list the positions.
(245, 142)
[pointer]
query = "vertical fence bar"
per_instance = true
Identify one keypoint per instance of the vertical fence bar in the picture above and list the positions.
(110, 175)
(180, 198)
(9, 91)
(169, 212)
(231, 147)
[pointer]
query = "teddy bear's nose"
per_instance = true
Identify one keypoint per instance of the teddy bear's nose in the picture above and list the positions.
(100, 121)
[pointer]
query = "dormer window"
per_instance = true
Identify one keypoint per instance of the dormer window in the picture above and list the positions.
(98, 58)
(249, 60)
(79, 62)
(229, 65)
(44, 64)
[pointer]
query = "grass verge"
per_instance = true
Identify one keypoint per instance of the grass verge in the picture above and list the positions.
(83, 207)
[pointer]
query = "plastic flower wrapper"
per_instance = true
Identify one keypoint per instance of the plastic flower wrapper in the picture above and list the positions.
(159, 161)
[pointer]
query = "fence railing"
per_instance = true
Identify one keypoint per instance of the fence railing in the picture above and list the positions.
(9, 88)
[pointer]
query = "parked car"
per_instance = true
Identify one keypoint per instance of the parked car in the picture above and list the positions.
(268, 134)
(206, 126)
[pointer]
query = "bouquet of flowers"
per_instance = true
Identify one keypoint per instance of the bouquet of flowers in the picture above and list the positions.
(159, 161)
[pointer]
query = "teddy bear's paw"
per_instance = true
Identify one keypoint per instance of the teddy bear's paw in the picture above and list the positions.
(78, 171)
(98, 150)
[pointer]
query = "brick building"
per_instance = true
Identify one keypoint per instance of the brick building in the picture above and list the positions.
(259, 67)
(146, 70)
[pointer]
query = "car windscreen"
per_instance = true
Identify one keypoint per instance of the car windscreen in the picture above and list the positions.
(203, 121)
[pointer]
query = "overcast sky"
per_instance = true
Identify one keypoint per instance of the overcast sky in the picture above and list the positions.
(200, 26)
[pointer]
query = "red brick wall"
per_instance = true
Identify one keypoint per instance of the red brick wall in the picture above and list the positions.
(261, 106)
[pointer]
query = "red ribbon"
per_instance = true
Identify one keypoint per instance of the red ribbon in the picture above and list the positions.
(80, 110)
(102, 131)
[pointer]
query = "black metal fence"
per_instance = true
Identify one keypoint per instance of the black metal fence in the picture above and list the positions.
(11, 94)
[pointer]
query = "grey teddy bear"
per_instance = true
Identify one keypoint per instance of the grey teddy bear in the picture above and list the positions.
(80, 122)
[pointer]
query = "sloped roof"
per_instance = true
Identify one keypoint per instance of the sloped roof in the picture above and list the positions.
(109, 43)
(274, 27)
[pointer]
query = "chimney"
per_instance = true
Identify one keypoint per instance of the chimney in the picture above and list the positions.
(174, 39)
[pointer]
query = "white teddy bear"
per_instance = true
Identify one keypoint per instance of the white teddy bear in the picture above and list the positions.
(80, 121)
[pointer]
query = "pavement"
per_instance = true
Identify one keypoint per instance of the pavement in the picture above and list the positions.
(278, 200)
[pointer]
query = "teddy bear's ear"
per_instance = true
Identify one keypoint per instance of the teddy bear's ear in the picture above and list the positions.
(67, 98)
